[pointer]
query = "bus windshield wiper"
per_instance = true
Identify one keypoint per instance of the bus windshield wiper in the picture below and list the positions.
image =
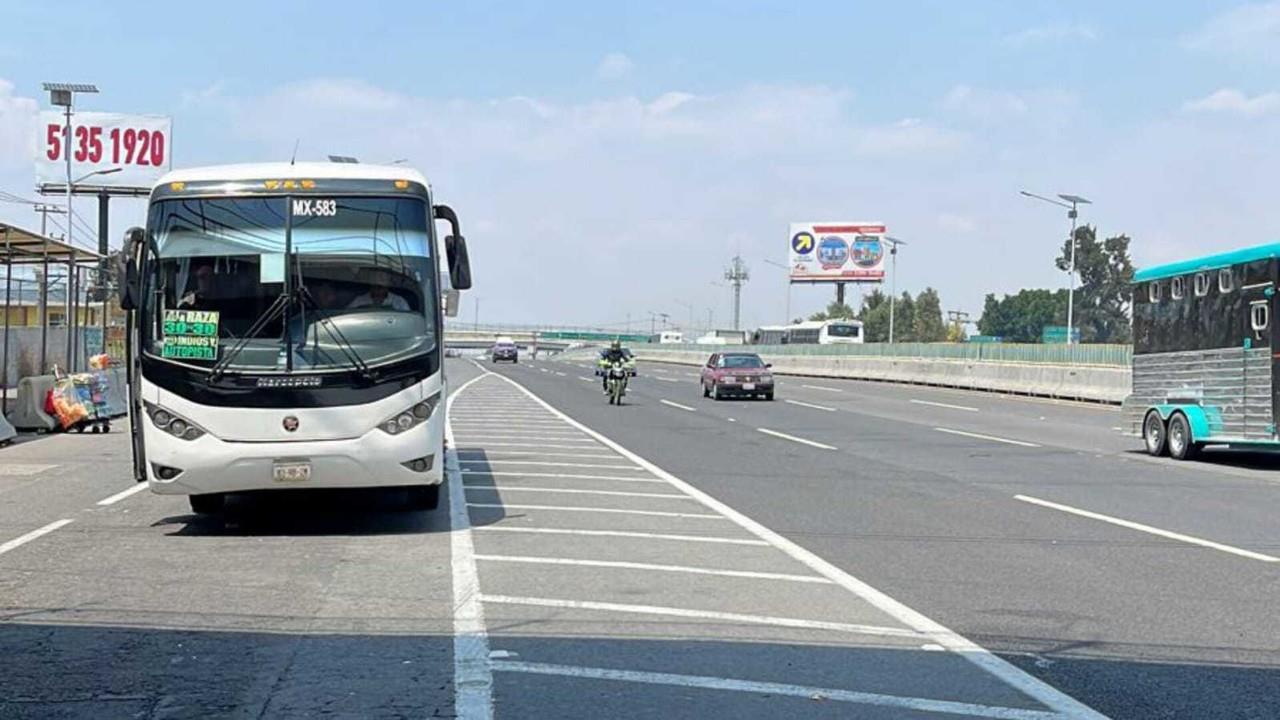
(273, 311)
(335, 334)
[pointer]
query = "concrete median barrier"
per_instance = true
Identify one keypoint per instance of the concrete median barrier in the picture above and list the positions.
(116, 392)
(1109, 384)
(7, 431)
(28, 410)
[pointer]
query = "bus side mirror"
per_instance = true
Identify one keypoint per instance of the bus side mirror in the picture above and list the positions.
(130, 285)
(452, 300)
(455, 248)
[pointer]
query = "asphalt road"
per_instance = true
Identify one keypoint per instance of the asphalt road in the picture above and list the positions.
(835, 553)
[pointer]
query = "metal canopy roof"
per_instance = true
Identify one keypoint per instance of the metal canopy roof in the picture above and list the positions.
(23, 247)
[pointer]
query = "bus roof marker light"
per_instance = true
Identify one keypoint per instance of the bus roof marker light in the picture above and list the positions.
(308, 184)
(402, 184)
(177, 186)
(271, 184)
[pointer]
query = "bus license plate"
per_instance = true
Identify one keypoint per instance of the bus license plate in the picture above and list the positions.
(748, 386)
(291, 471)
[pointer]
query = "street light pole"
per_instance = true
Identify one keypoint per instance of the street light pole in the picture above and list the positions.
(787, 277)
(893, 277)
(1072, 213)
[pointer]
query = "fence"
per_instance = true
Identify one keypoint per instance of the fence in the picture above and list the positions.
(1104, 355)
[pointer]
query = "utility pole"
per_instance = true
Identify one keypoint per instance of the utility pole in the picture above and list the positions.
(1072, 213)
(893, 277)
(737, 274)
(958, 319)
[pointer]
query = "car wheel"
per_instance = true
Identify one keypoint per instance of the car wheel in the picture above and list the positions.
(706, 391)
(715, 392)
(207, 504)
(422, 497)
(1181, 444)
(1153, 434)
(769, 396)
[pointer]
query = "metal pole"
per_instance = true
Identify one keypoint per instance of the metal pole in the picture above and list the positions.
(103, 264)
(1071, 294)
(44, 309)
(893, 287)
(4, 356)
(67, 142)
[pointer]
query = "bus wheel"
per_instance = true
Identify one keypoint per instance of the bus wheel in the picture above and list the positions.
(1153, 434)
(206, 504)
(1181, 446)
(423, 497)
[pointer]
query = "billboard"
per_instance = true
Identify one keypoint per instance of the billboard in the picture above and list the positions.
(139, 145)
(837, 252)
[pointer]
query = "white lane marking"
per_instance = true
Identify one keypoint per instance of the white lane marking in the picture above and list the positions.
(822, 387)
(810, 405)
(732, 420)
(585, 378)
(614, 511)
(949, 406)
(534, 453)
(670, 380)
(480, 438)
(627, 534)
(992, 438)
(560, 374)
(1010, 674)
(677, 405)
(1148, 529)
(704, 615)
(39, 532)
(793, 438)
(554, 464)
(532, 445)
(24, 469)
(624, 565)
(566, 476)
(771, 688)
(123, 494)
(472, 673)
(571, 491)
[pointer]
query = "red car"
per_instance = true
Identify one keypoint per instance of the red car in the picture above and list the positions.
(737, 373)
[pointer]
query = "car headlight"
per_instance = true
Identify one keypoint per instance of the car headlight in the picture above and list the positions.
(729, 378)
(171, 423)
(766, 378)
(411, 418)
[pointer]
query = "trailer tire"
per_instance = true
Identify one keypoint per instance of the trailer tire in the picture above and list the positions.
(1181, 444)
(1154, 434)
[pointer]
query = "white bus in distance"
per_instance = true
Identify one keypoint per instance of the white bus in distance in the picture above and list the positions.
(668, 337)
(825, 332)
(284, 330)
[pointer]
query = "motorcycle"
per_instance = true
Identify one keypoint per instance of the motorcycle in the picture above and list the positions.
(616, 376)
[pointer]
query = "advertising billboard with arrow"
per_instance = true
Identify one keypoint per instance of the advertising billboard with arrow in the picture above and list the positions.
(837, 252)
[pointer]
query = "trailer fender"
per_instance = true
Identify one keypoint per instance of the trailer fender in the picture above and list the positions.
(1196, 417)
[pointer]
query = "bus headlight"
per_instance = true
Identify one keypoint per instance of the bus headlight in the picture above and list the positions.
(410, 418)
(167, 421)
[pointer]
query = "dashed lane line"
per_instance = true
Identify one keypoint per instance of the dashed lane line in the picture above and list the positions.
(655, 567)
(137, 488)
(992, 438)
(678, 405)
(38, 533)
(810, 405)
(1148, 529)
(793, 438)
(823, 387)
(949, 406)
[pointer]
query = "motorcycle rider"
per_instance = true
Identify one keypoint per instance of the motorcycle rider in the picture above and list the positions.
(614, 353)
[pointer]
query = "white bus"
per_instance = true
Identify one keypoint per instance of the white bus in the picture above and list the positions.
(668, 337)
(285, 331)
(826, 332)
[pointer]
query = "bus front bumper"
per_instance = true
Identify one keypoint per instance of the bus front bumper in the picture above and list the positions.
(210, 465)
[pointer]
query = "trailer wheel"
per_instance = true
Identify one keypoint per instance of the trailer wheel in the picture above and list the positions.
(1153, 434)
(1181, 446)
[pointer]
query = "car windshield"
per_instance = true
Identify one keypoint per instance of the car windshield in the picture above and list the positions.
(741, 362)
(361, 269)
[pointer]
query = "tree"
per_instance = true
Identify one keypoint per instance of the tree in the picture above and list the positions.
(875, 316)
(835, 311)
(1022, 317)
(1102, 300)
(927, 325)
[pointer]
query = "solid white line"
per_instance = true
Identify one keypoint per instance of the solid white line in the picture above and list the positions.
(992, 438)
(554, 464)
(479, 438)
(572, 491)
(793, 438)
(574, 508)
(1148, 529)
(567, 476)
(771, 688)
(677, 405)
(627, 534)
(534, 453)
(507, 421)
(38, 532)
(139, 487)
(703, 615)
(810, 405)
(472, 673)
(941, 635)
(945, 405)
(532, 445)
(623, 565)
(822, 387)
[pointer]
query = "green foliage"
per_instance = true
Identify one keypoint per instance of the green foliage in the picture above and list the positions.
(927, 325)
(834, 311)
(1102, 302)
(1021, 317)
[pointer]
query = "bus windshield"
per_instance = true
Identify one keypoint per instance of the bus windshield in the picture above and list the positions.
(844, 330)
(360, 282)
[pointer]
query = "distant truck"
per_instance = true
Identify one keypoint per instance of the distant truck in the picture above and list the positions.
(668, 337)
(724, 337)
(505, 350)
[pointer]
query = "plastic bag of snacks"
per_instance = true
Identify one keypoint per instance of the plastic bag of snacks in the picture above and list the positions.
(69, 403)
(100, 362)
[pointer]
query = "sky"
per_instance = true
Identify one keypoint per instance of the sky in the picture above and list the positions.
(609, 159)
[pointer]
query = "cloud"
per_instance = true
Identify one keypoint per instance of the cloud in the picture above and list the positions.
(1051, 34)
(614, 66)
(956, 224)
(1249, 31)
(17, 128)
(1234, 102)
(999, 106)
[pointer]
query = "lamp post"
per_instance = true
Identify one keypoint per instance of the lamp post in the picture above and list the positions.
(1072, 202)
(787, 319)
(893, 277)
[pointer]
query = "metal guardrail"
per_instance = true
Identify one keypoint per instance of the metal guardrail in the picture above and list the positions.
(1106, 355)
